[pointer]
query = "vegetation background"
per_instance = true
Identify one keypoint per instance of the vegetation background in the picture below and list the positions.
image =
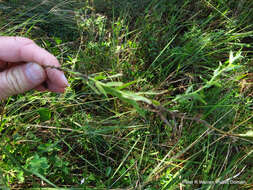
(160, 96)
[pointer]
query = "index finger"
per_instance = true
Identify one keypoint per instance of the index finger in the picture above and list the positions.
(18, 49)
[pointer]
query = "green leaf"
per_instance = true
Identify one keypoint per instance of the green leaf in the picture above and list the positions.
(91, 177)
(99, 77)
(114, 84)
(217, 71)
(45, 114)
(57, 40)
(248, 134)
(189, 89)
(47, 147)
(231, 67)
(20, 176)
(232, 59)
(99, 86)
(126, 97)
(91, 85)
(108, 171)
(127, 85)
(38, 164)
(135, 97)
(155, 102)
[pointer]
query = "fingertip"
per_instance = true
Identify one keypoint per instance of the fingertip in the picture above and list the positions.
(57, 78)
(54, 88)
(58, 90)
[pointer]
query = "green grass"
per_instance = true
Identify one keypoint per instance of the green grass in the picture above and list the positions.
(160, 96)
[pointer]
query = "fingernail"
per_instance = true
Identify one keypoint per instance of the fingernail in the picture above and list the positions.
(64, 80)
(35, 73)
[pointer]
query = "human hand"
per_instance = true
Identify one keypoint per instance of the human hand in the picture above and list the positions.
(21, 68)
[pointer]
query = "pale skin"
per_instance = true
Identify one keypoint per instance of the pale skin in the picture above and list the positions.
(22, 68)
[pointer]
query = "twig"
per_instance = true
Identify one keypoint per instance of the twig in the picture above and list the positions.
(159, 110)
(84, 76)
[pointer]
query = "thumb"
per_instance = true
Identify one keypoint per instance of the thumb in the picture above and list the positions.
(20, 79)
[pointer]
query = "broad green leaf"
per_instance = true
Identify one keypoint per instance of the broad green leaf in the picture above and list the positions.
(38, 164)
(20, 176)
(100, 87)
(127, 85)
(57, 40)
(100, 77)
(114, 84)
(156, 102)
(45, 114)
(108, 171)
(90, 84)
(136, 97)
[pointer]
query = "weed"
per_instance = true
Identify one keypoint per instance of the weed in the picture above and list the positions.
(160, 96)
